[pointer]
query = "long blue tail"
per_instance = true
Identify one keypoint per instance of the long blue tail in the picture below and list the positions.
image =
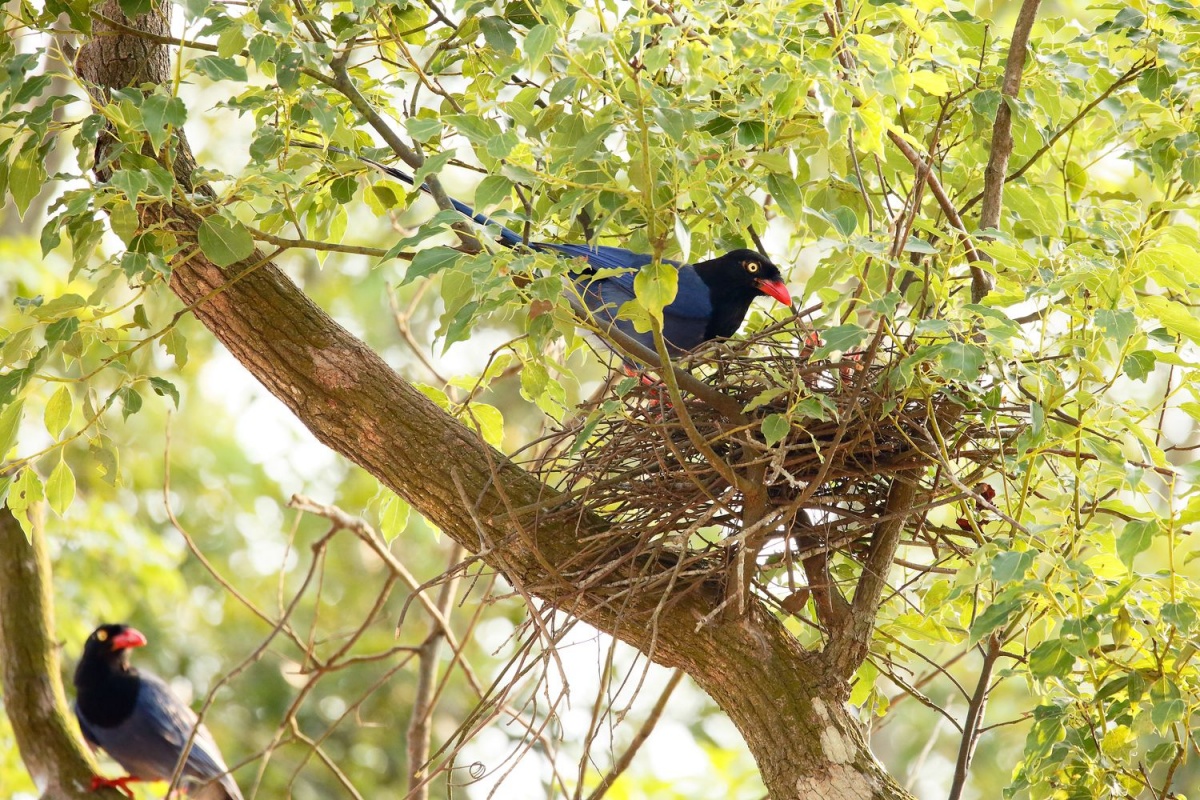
(508, 237)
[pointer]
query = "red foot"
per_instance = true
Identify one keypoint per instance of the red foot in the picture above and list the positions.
(120, 784)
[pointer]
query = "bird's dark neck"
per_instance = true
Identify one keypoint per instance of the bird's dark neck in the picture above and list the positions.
(106, 691)
(729, 304)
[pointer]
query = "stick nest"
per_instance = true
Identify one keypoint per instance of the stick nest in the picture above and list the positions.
(824, 437)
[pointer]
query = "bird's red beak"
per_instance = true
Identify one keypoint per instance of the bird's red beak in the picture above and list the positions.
(775, 289)
(128, 638)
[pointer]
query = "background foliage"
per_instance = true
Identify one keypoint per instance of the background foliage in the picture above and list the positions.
(675, 129)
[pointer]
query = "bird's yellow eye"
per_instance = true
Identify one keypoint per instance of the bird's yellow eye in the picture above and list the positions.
(751, 266)
(102, 636)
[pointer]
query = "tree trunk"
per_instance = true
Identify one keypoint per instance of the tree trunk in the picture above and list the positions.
(46, 732)
(781, 697)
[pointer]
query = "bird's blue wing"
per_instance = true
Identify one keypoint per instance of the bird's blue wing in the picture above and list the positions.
(149, 742)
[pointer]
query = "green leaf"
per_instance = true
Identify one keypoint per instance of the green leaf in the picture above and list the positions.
(393, 517)
(1154, 82)
(1117, 325)
(231, 41)
(60, 487)
(26, 177)
(1136, 537)
(1139, 365)
(492, 190)
(1050, 659)
(1168, 706)
(131, 401)
(986, 103)
(655, 286)
(262, 48)
(219, 69)
(160, 113)
(164, 388)
(1181, 615)
(751, 133)
(787, 194)
(1174, 316)
(430, 261)
(488, 421)
(534, 380)
(224, 243)
(994, 616)
(58, 412)
(961, 360)
(498, 34)
(1010, 566)
(10, 424)
(135, 8)
(844, 220)
(25, 492)
(538, 43)
(423, 128)
(673, 123)
(61, 330)
(775, 428)
(841, 339)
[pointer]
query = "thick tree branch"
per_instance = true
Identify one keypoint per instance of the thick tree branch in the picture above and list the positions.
(1002, 141)
(849, 644)
(33, 693)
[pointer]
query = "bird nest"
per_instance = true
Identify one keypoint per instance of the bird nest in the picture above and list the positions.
(806, 469)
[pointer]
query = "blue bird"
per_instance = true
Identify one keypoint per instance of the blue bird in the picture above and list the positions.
(712, 300)
(135, 718)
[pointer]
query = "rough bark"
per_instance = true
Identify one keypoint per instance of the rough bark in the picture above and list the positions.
(787, 704)
(57, 760)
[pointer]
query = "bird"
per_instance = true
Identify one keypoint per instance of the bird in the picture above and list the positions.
(713, 296)
(135, 717)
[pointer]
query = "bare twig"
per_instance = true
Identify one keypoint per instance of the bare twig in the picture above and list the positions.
(422, 708)
(639, 739)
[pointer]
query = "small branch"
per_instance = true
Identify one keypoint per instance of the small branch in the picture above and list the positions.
(342, 82)
(422, 708)
(939, 193)
(728, 407)
(1002, 141)
(971, 725)
(313, 244)
(639, 739)
(832, 608)
(1128, 76)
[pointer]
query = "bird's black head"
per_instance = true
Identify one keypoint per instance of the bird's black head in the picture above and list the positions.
(743, 274)
(109, 646)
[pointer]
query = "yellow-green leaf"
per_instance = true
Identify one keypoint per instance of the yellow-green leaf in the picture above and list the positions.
(60, 488)
(656, 285)
(58, 411)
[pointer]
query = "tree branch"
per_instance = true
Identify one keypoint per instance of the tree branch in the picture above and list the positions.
(752, 667)
(1002, 141)
(1126, 77)
(971, 725)
(849, 644)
